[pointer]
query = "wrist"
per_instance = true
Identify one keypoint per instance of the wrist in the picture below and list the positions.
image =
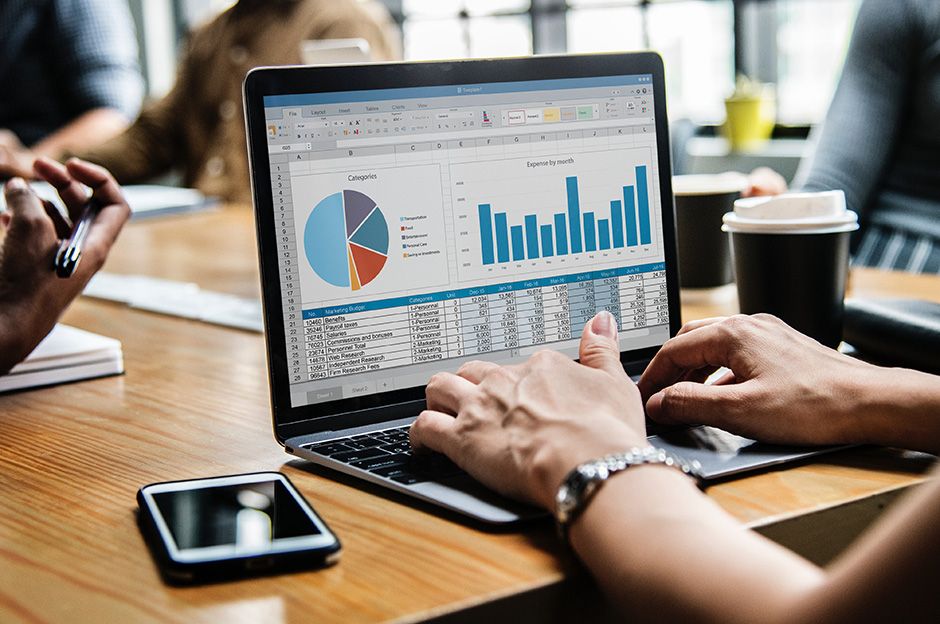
(22, 327)
(579, 487)
(643, 498)
(551, 465)
(12, 343)
(897, 407)
(855, 393)
(850, 398)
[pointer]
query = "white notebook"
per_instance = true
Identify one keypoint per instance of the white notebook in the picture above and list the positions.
(66, 354)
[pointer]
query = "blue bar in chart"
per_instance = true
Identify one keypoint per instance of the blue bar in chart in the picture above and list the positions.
(486, 233)
(531, 237)
(574, 213)
(643, 204)
(546, 233)
(590, 238)
(616, 222)
(571, 230)
(518, 242)
(603, 234)
(502, 237)
(561, 234)
(629, 208)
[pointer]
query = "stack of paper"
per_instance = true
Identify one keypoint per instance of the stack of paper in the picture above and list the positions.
(182, 299)
(66, 354)
(145, 200)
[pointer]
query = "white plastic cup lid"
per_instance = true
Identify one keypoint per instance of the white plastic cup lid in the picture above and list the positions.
(792, 213)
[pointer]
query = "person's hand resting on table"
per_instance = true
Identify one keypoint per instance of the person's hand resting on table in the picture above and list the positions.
(32, 297)
(657, 546)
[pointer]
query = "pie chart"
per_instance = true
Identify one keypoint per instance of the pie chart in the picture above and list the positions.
(346, 239)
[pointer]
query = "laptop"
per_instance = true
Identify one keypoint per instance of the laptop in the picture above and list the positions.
(414, 216)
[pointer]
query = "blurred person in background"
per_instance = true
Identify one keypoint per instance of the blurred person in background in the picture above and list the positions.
(880, 141)
(71, 77)
(199, 127)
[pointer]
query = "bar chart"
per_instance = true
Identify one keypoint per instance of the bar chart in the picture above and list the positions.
(573, 230)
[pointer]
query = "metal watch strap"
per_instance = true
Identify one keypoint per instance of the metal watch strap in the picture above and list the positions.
(583, 481)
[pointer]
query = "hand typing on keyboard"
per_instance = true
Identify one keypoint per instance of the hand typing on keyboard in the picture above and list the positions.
(388, 454)
(520, 429)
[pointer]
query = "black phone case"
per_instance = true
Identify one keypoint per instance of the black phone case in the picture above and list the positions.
(176, 573)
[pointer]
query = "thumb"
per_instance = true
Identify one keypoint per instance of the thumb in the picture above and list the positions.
(599, 347)
(31, 236)
(24, 206)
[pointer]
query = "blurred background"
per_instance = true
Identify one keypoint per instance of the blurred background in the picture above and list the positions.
(797, 46)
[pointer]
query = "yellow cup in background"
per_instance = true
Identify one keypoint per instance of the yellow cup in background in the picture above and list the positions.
(750, 119)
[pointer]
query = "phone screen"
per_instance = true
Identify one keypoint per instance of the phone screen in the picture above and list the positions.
(234, 518)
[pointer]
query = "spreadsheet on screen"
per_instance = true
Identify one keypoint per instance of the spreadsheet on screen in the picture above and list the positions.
(419, 228)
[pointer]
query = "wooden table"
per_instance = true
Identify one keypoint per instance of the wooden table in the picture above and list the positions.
(194, 402)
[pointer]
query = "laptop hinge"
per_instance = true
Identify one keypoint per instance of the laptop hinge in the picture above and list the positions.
(370, 417)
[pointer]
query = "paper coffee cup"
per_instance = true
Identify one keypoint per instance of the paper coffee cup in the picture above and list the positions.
(701, 201)
(790, 256)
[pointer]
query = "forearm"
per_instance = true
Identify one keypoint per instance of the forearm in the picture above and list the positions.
(87, 130)
(660, 549)
(890, 574)
(144, 150)
(12, 348)
(897, 407)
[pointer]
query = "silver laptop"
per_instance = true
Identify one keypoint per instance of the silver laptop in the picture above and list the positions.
(415, 216)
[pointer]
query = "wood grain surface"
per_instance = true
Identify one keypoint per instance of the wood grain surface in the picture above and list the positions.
(194, 402)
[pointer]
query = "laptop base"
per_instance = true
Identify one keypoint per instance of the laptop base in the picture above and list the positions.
(722, 454)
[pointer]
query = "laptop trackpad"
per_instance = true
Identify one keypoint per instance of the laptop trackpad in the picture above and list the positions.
(721, 453)
(466, 494)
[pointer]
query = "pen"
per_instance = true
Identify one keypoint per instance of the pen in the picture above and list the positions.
(70, 251)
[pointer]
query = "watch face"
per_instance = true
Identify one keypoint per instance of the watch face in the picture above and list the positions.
(564, 502)
(574, 491)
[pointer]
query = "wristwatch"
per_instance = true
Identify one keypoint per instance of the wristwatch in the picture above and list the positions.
(583, 481)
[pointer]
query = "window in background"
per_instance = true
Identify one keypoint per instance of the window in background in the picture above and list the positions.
(798, 44)
(193, 12)
(466, 28)
(812, 39)
(595, 26)
(695, 39)
(696, 42)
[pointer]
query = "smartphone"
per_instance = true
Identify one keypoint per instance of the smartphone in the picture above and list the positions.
(206, 530)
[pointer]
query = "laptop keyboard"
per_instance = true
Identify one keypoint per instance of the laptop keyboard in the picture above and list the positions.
(388, 454)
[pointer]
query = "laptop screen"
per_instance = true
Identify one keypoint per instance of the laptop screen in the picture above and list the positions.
(419, 228)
